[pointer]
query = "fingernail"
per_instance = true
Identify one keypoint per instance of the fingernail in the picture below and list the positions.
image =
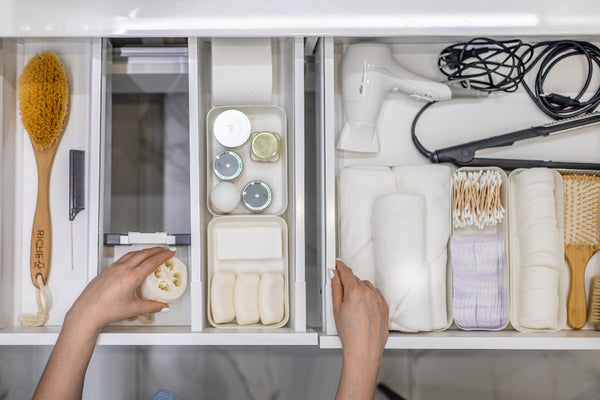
(331, 273)
(166, 309)
(173, 249)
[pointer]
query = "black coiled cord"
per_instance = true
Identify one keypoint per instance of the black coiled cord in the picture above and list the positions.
(501, 65)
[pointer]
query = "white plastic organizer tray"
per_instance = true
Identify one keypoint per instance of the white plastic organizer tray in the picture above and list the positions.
(262, 118)
(515, 258)
(225, 254)
(500, 229)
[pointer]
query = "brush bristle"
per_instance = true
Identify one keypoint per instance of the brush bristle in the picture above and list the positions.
(594, 317)
(43, 92)
(582, 210)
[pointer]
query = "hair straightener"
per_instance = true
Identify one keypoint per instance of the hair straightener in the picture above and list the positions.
(464, 154)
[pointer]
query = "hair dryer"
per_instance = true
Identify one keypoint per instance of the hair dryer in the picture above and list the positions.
(369, 71)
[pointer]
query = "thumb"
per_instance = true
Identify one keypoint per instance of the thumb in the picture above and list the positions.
(337, 290)
(149, 306)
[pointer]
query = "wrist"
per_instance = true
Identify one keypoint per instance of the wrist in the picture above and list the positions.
(83, 323)
(359, 378)
(361, 359)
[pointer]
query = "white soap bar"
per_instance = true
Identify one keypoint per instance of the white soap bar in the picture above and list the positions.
(271, 298)
(221, 297)
(251, 243)
(246, 298)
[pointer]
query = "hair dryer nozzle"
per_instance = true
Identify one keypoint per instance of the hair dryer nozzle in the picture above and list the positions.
(359, 136)
(459, 91)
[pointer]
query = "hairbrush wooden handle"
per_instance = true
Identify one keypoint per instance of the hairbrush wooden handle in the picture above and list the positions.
(577, 257)
(41, 232)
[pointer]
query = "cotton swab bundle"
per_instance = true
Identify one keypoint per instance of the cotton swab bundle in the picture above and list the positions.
(476, 199)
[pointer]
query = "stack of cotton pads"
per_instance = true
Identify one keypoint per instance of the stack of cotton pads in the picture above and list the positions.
(478, 263)
(541, 246)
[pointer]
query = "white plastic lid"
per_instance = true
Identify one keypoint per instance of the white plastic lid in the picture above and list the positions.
(232, 128)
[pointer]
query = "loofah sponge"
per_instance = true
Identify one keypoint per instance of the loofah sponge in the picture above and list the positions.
(167, 283)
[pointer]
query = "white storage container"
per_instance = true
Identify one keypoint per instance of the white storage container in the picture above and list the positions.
(516, 261)
(103, 72)
(444, 124)
(500, 229)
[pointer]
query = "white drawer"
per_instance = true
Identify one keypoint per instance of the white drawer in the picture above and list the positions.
(90, 66)
(446, 124)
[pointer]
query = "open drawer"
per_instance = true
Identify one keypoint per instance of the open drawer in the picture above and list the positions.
(139, 109)
(445, 124)
(69, 272)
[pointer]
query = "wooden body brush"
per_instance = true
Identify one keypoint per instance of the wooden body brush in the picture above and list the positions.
(582, 238)
(43, 93)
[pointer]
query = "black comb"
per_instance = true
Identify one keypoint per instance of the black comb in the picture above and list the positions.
(76, 183)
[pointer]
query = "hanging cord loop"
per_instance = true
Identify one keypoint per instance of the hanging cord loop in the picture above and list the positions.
(42, 314)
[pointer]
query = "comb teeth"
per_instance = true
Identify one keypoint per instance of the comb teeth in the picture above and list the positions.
(594, 317)
(582, 210)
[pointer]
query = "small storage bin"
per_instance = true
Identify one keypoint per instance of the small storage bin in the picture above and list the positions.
(516, 261)
(272, 172)
(242, 263)
(499, 230)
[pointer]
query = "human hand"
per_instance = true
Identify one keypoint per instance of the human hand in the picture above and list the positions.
(112, 295)
(361, 318)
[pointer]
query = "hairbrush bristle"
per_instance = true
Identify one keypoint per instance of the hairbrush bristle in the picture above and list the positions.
(594, 307)
(582, 209)
(43, 93)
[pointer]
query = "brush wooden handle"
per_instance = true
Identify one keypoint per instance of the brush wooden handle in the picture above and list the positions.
(41, 232)
(577, 257)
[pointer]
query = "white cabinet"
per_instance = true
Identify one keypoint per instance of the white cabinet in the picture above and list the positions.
(104, 82)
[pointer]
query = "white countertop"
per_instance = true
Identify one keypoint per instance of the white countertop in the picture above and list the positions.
(60, 18)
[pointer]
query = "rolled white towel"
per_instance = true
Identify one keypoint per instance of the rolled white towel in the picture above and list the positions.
(358, 187)
(401, 271)
(433, 183)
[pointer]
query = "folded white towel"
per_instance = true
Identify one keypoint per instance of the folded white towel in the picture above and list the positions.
(433, 183)
(358, 188)
(401, 271)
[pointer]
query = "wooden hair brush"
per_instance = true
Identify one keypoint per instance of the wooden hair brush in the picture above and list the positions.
(582, 238)
(594, 317)
(43, 93)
